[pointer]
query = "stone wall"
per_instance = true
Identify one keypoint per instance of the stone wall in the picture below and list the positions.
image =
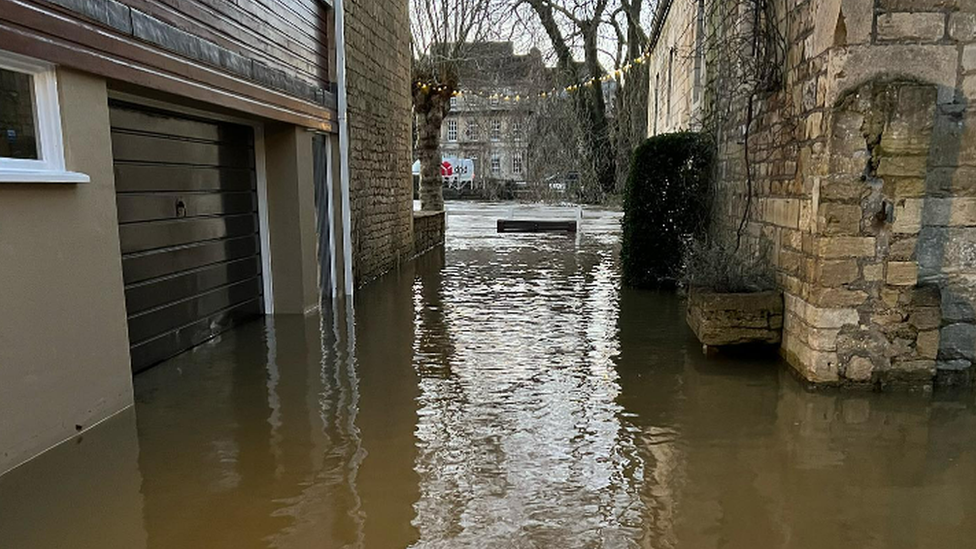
(428, 231)
(674, 101)
(862, 168)
(378, 84)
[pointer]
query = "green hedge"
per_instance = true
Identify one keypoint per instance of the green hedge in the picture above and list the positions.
(665, 202)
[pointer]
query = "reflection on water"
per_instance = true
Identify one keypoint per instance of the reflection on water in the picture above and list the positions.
(504, 393)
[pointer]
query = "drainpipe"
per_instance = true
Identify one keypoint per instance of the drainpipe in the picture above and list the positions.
(340, 36)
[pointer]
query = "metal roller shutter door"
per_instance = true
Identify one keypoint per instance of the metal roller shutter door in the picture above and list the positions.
(188, 226)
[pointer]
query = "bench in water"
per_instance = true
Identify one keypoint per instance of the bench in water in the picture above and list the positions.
(534, 226)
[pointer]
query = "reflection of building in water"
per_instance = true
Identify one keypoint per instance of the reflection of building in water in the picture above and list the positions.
(518, 431)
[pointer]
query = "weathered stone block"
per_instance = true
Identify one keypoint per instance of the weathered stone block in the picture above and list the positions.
(847, 246)
(913, 370)
(958, 341)
(946, 250)
(902, 273)
(721, 319)
(873, 272)
(969, 58)
(903, 166)
(859, 369)
(816, 366)
(818, 317)
(927, 344)
(957, 307)
(912, 187)
(956, 365)
(908, 216)
(844, 188)
(909, 131)
(837, 273)
(926, 318)
(921, 27)
(962, 26)
(840, 218)
(903, 249)
(837, 297)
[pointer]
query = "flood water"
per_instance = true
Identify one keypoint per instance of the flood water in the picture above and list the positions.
(506, 393)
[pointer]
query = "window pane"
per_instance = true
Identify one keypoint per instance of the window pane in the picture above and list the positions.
(18, 132)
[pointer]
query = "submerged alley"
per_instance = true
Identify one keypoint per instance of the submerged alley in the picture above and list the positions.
(505, 393)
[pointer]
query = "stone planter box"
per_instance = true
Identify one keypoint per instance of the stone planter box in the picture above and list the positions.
(720, 319)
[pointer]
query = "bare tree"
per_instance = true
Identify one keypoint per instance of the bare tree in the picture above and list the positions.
(592, 27)
(443, 31)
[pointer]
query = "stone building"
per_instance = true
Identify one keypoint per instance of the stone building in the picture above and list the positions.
(490, 120)
(859, 173)
(169, 171)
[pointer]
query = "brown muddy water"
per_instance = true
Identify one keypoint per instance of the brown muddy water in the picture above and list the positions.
(504, 394)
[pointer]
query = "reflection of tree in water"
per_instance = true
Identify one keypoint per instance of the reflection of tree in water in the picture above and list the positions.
(518, 431)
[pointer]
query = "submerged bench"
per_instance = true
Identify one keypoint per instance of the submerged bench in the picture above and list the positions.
(532, 226)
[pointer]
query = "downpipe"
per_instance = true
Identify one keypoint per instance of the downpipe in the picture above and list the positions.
(343, 107)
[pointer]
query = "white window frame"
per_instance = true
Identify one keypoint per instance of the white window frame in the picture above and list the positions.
(452, 130)
(49, 167)
(496, 164)
(517, 131)
(496, 130)
(454, 102)
(472, 131)
(518, 163)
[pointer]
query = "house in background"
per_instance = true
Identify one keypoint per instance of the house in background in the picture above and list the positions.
(490, 120)
(169, 170)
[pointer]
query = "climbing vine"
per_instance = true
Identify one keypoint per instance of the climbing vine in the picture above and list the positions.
(745, 109)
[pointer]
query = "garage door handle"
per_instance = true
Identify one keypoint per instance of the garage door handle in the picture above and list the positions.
(180, 208)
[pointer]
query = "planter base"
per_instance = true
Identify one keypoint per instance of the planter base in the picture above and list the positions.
(721, 320)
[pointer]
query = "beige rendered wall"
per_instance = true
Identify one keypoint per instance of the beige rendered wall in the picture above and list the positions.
(64, 354)
(291, 216)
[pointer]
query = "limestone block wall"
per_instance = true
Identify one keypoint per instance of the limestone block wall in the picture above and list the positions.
(882, 293)
(428, 231)
(675, 96)
(862, 186)
(378, 84)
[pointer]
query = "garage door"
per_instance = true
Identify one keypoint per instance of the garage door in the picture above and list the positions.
(188, 227)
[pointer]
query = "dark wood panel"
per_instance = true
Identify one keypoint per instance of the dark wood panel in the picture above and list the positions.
(132, 147)
(141, 267)
(141, 237)
(159, 123)
(134, 207)
(149, 295)
(143, 326)
(149, 177)
(177, 341)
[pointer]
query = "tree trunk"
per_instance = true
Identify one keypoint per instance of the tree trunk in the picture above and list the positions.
(632, 97)
(431, 109)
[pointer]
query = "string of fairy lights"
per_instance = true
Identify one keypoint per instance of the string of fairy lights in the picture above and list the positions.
(554, 92)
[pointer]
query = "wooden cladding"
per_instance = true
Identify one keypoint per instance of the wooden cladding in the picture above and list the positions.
(268, 57)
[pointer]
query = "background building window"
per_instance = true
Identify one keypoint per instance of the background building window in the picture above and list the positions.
(496, 164)
(454, 102)
(452, 130)
(518, 162)
(496, 130)
(493, 101)
(472, 132)
(31, 147)
(517, 130)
